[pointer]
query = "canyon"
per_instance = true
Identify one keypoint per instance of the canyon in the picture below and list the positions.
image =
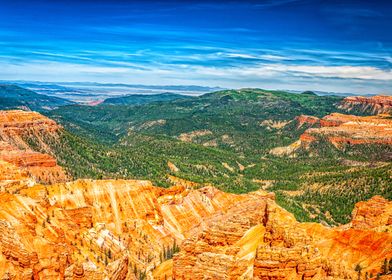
(52, 227)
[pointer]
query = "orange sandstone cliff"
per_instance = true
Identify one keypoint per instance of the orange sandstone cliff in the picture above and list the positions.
(306, 120)
(124, 229)
(16, 129)
(259, 240)
(342, 129)
(374, 104)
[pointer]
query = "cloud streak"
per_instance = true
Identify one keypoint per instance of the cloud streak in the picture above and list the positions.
(279, 44)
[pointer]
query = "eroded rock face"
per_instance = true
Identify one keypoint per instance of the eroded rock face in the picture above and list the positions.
(375, 214)
(16, 129)
(278, 247)
(306, 120)
(120, 229)
(374, 105)
(340, 129)
(95, 229)
(15, 124)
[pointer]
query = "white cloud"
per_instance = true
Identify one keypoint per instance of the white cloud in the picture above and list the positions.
(343, 72)
(284, 76)
(240, 55)
(273, 57)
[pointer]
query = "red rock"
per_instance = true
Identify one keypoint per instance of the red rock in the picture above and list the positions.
(15, 127)
(342, 129)
(375, 213)
(374, 104)
(306, 120)
(63, 231)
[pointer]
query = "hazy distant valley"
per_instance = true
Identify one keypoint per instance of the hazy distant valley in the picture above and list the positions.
(86, 93)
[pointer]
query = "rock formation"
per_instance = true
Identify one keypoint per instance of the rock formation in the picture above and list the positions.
(18, 130)
(306, 120)
(375, 214)
(373, 105)
(124, 229)
(268, 243)
(340, 129)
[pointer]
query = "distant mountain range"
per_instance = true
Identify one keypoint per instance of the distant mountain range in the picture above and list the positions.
(15, 97)
(87, 92)
(91, 92)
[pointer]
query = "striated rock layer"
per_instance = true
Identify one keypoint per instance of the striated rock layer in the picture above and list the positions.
(95, 229)
(124, 229)
(18, 131)
(305, 120)
(374, 105)
(340, 129)
(259, 240)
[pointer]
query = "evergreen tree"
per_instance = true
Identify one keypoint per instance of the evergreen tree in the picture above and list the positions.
(390, 266)
(358, 269)
(385, 267)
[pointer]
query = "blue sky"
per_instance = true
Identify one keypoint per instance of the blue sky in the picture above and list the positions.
(342, 46)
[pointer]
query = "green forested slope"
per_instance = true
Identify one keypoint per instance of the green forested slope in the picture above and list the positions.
(226, 138)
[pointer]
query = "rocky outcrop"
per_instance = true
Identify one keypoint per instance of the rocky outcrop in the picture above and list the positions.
(371, 105)
(15, 125)
(191, 136)
(125, 229)
(286, 150)
(307, 121)
(340, 129)
(98, 229)
(300, 123)
(268, 243)
(19, 130)
(375, 214)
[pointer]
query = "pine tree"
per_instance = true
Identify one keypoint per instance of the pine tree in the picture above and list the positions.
(390, 266)
(109, 254)
(358, 269)
(385, 267)
(164, 253)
